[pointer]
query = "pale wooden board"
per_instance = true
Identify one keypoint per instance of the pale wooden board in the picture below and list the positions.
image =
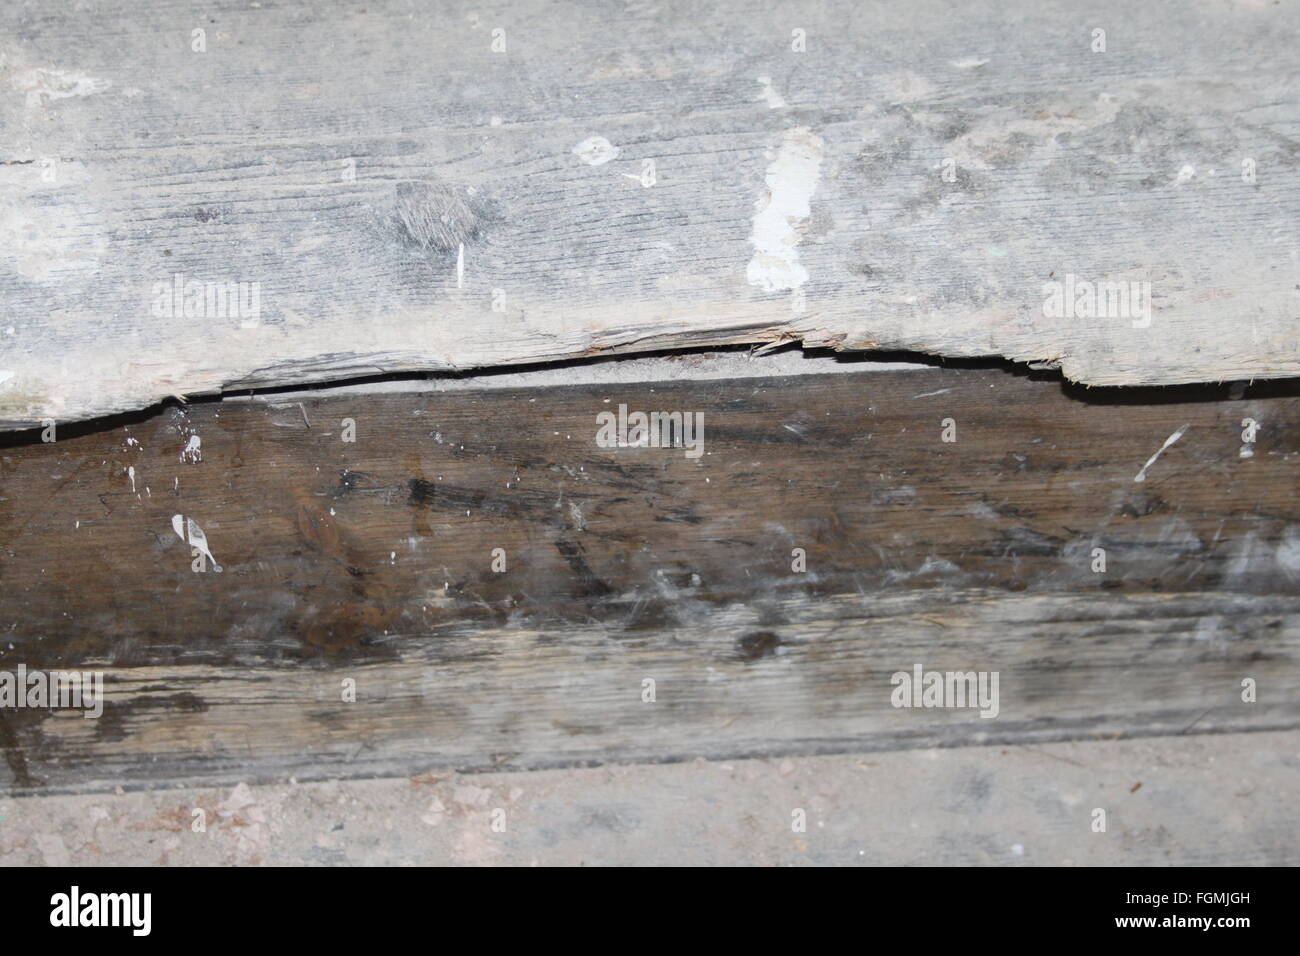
(228, 165)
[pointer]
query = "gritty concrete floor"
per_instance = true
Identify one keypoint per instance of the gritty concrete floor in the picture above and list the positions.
(1228, 799)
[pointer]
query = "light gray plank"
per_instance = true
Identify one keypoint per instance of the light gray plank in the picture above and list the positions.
(771, 165)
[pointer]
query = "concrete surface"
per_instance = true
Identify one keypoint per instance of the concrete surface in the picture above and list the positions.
(1215, 799)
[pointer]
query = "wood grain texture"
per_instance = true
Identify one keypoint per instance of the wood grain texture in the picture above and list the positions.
(380, 172)
(373, 561)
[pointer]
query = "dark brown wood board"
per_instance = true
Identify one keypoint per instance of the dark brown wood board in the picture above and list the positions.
(372, 561)
(455, 185)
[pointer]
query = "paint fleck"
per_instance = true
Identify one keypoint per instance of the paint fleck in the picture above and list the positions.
(774, 99)
(188, 530)
(56, 85)
(193, 451)
(782, 210)
(1142, 475)
(596, 150)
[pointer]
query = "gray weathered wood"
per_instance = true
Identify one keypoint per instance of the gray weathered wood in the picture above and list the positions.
(127, 158)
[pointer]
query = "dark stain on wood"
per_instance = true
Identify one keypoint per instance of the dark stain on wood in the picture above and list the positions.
(627, 563)
(750, 647)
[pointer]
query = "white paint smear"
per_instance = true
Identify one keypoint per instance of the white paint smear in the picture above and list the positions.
(782, 210)
(773, 99)
(56, 85)
(195, 537)
(193, 450)
(595, 150)
(1142, 475)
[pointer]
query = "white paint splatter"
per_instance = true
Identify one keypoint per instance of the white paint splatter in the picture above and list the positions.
(1185, 175)
(595, 150)
(782, 210)
(1142, 475)
(460, 267)
(193, 451)
(968, 63)
(56, 85)
(774, 99)
(187, 530)
(130, 473)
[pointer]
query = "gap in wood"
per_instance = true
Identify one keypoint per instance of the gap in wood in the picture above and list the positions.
(851, 362)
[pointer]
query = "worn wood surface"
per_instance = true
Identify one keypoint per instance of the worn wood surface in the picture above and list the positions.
(372, 560)
(379, 171)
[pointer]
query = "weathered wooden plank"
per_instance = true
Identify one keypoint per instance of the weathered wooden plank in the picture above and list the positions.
(910, 180)
(372, 560)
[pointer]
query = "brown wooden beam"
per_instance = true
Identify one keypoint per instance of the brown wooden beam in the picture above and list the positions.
(373, 560)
